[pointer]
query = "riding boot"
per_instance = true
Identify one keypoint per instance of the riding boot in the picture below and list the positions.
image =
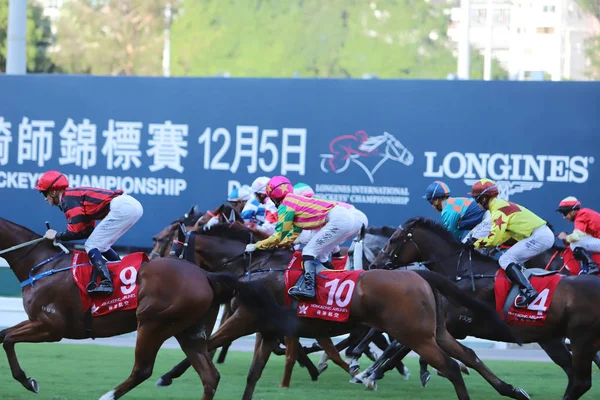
(582, 255)
(306, 289)
(528, 293)
(106, 286)
(111, 255)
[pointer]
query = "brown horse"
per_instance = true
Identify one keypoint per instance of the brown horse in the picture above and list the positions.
(401, 303)
(165, 244)
(175, 298)
(573, 312)
(226, 213)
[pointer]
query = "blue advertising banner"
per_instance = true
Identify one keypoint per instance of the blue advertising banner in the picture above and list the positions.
(176, 142)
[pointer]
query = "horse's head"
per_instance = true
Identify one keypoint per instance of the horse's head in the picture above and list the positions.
(417, 240)
(164, 239)
(226, 213)
(217, 248)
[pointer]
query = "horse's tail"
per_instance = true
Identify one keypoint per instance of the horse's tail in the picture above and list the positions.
(256, 298)
(481, 309)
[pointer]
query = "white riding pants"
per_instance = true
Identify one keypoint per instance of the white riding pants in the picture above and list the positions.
(541, 239)
(124, 212)
(588, 243)
(340, 226)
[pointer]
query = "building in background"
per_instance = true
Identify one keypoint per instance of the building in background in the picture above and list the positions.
(531, 38)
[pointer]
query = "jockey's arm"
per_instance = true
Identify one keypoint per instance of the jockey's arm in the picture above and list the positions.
(497, 232)
(249, 211)
(291, 237)
(285, 225)
(576, 236)
(76, 230)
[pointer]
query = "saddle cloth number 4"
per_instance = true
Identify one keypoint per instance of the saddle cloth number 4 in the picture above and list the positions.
(336, 292)
(539, 304)
(128, 283)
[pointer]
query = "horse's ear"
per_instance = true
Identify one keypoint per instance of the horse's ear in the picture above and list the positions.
(231, 218)
(363, 230)
(191, 212)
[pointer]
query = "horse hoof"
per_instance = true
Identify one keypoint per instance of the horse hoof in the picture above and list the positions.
(464, 369)
(425, 377)
(32, 385)
(521, 394)
(162, 382)
(356, 380)
(405, 373)
(354, 368)
(371, 385)
(284, 386)
(322, 367)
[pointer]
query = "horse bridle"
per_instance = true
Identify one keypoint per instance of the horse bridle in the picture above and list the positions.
(394, 255)
(164, 242)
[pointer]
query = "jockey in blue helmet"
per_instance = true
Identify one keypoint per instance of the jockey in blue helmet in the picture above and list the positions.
(460, 215)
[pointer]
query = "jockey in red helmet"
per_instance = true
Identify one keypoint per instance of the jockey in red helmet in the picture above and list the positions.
(82, 207)
(586, 235)
(512, 220)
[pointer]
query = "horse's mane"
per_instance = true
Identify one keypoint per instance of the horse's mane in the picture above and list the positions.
(235, 231)
(386, 231)
(435, 226)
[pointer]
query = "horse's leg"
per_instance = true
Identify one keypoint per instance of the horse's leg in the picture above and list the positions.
(333, 354)
(150, 336)
(382, 343)
(227, 312)
(194, 348)
(424, 374)
(305, 361)
(174, 373)
(291, 349)
(559, 353)
(435, 356)
(596, 359)
(583, 353)
(322, 364)
(26, 331)
(466, 355)
(258, 364)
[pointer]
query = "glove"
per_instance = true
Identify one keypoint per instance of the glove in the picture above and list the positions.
(50, 234)
(250, 248)
(210, 223)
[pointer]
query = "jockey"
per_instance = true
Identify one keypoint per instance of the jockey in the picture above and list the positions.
(83, 206)
(512, 220)
(238, 197)
(255, 210)
(460, 215)
(335, 224)
(586, 235)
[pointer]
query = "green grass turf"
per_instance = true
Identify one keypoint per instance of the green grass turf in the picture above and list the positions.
(73, 372)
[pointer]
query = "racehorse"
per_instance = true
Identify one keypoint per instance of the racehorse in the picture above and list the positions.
(293, 349)
(175, 298)
(401, 303)
(573, 312)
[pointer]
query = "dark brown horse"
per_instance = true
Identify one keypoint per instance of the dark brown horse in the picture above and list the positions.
(401, 303)
(225, 213)
(175, 298)
(573, 312)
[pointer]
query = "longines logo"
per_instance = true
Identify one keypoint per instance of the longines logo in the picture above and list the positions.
(514, 173)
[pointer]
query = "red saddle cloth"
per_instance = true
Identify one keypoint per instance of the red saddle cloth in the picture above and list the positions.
(339, 263)
(334, 292)
(536, 312)
(572, 264)
(124, 276)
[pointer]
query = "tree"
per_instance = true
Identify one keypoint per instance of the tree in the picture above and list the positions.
(39, 38)
(123, 37)
(592, 47)
(314, 38)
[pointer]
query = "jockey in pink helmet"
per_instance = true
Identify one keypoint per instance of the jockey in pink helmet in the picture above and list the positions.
(334, 225)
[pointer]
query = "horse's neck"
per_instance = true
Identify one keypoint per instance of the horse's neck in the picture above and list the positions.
(22, 260)
(442, 252)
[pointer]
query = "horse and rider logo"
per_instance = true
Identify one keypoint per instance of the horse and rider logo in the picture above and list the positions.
(368, 152)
